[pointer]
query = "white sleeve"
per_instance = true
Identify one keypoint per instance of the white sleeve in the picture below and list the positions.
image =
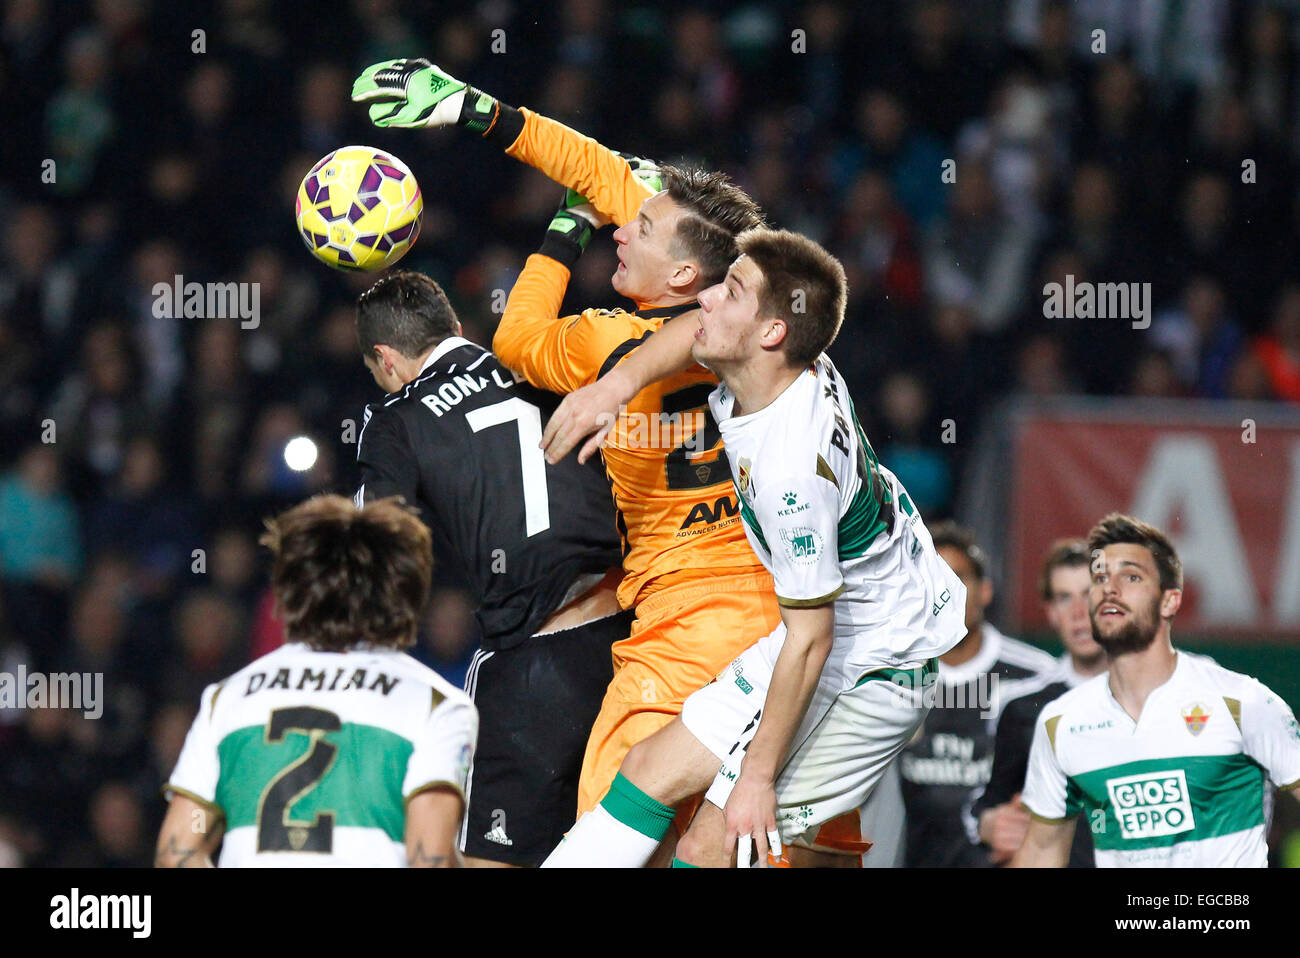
(1046, 786)
(1270, 734)
(199, 766)
(799, 517)
(444, 749)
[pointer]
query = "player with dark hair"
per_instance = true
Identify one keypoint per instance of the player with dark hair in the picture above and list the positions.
(336, 748)
(1063, 584)
(944, 769)
(796, 730)
(457, 436)
(1168, 756)
(697, 588)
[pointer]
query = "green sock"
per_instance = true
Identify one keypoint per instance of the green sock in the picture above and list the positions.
(678, 863)
(634, 808)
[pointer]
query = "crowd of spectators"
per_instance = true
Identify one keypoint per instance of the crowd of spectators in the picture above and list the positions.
(956, 156)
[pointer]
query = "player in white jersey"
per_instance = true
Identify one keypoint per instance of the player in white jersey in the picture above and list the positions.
(805, 721)
(1168, 756)
(337, 749)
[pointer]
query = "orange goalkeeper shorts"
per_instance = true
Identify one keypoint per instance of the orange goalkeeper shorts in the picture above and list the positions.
(681, 639)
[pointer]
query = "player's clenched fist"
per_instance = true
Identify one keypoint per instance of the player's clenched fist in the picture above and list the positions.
(415, 93)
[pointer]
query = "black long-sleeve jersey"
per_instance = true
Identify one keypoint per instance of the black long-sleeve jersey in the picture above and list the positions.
(460, 442)
(946, 766)
(1011, 761)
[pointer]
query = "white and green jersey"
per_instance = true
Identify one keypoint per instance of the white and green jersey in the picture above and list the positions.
(310, 756)
(1185, 785)
(830, 523)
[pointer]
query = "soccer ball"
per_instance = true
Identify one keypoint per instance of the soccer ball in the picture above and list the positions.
(359, 208)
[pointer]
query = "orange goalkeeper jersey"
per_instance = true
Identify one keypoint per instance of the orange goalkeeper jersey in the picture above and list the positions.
(677, 510)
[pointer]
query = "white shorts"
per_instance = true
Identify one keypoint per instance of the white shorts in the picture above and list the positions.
(840, 751)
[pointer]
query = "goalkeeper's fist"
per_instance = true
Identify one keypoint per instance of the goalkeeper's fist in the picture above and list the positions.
(414, 93)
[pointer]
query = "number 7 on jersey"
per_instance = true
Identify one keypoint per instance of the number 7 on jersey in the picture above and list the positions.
(532, 461)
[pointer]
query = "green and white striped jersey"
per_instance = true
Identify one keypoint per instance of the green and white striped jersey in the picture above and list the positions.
(1184, 786)
(311, 756)
(831, 523)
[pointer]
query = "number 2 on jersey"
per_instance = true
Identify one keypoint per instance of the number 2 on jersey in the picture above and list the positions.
(532, 461)
(275, 833)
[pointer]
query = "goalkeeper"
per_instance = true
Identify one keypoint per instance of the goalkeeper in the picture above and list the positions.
(697, 587)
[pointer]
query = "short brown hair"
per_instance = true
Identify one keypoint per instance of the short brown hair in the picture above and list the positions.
(1064, 554)
(345, 577)
(802, 284)
(1118, 528)
(717, 210)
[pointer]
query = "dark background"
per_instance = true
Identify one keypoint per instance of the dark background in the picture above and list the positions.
(169, 433)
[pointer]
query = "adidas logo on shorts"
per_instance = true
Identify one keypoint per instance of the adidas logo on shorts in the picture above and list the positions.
(498, 835)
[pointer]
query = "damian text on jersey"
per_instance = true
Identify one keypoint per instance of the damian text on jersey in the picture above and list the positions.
(322, 681)
(74, 911)
(55, 690)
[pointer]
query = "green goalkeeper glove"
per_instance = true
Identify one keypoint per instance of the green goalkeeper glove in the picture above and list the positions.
(574, 222)
(414, 93)
(570, 229)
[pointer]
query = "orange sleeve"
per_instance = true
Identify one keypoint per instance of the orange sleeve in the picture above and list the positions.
(578, 161)
(553, 352)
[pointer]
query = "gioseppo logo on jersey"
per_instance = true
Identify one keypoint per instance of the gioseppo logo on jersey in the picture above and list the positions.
(1152, 804)
(803, 544)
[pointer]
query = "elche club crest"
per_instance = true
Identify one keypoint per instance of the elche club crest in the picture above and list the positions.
(745, 475)
(1196, 716)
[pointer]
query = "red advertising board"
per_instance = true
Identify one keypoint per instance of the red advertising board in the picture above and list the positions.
(1225, 488)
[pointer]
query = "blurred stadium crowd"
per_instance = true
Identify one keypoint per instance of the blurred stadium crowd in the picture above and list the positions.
(169, 433)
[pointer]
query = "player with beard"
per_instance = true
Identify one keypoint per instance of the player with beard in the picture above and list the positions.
(1168, 755)
(1064, 583)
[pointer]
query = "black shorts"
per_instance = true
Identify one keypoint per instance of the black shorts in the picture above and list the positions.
(537, 703)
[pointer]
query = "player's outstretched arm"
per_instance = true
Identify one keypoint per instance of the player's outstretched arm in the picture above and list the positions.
(415, 93)
(432, 823)
(751, 808)
(1046, 844)
(188, 836)
(593, 410)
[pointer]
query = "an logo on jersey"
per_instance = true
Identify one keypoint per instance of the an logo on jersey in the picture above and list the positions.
(803, 544)
(746, 466)
(1151, 805)
(1196, 716)
(702, 512)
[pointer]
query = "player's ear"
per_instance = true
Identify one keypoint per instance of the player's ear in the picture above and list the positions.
(684, 275)
(1170, 601)
(774, 333)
